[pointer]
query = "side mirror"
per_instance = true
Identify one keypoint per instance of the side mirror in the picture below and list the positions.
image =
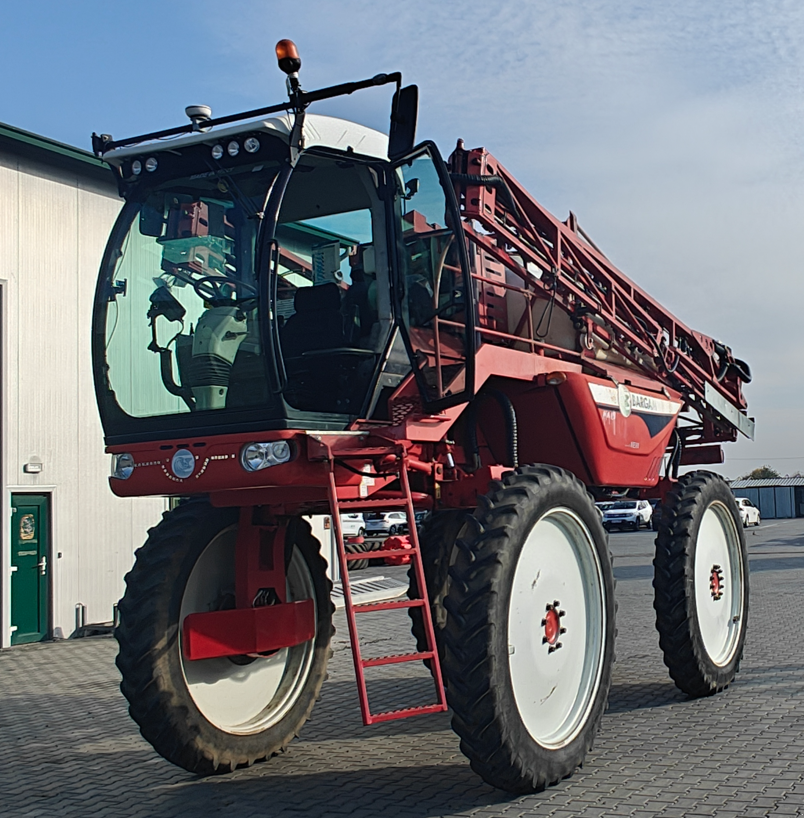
(404, 112)
(152, 216)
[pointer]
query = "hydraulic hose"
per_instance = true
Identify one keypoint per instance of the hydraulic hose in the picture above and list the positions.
(494, 181)
(472, 447)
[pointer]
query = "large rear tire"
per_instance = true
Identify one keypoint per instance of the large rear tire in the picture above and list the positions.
(529, 634)
(701, 584)
(437, 542)
(214, 715)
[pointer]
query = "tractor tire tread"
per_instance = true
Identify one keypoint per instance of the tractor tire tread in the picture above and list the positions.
(155, 704)
(474, 679)
(683, 652)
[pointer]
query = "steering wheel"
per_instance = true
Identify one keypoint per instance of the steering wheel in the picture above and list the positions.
(210, 288)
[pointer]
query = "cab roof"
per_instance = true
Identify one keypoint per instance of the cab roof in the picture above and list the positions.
(318, 131)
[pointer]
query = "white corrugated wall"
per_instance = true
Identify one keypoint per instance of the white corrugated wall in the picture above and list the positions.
(53, 227)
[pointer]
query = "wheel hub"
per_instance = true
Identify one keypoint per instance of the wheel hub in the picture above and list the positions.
(552, 626)
(716, 583)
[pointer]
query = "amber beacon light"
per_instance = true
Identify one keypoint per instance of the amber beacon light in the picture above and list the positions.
(287, 56)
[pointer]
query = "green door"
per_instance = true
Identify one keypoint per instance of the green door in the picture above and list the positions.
(30, 566)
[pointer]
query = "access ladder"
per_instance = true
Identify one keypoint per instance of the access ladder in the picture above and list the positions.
(404, 500)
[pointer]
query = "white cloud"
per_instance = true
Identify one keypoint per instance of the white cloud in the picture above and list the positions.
(675, 132)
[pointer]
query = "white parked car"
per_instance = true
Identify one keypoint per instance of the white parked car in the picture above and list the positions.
(385, 523)
(628, 514)
(352, 525)
(749, 513)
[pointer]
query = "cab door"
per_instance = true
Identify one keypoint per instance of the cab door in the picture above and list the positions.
(434, 294)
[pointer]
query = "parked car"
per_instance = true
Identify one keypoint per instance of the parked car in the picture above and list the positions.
(385, 523)
(656, 515)
(749, 513)
(602, 506)
(627, 514)
(352, 525)
(419, 517)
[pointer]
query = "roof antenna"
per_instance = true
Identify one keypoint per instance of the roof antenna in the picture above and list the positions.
(199, 114)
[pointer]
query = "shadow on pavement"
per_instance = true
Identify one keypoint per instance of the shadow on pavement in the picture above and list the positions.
(419, 791)
(624, 698)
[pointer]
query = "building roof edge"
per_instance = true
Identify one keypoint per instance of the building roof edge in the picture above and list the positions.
(9, 133)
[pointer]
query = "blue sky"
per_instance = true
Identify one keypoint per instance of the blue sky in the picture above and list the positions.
(674, 131)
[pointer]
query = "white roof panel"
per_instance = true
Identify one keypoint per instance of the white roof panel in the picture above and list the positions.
(319, 130)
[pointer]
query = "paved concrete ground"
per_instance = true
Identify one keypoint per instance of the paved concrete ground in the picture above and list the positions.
(67, 746)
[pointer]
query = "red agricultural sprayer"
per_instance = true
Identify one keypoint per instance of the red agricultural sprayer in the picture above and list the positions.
(299, 315)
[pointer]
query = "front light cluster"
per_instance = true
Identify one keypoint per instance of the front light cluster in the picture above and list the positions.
(256, 456)
(150, 164)
(123, 466)
(252, 145)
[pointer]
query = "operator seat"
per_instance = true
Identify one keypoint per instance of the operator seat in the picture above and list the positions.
(317, 323)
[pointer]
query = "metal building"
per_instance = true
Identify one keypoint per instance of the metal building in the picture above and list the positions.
(65, 540)
(776, 498)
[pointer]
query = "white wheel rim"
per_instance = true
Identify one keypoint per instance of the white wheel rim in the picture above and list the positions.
(555, 689)
(718, 575)
(250, 698)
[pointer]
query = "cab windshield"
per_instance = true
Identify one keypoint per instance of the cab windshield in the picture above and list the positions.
(181, 328)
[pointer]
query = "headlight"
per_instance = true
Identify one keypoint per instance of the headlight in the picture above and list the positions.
(233, 148)
(252, 144)
(136, 167)
(151, 164)
(256, 456)
(123, 466)
(217, 151)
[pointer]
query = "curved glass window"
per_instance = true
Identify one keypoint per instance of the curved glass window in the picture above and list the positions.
(332, 295)
(181, 308)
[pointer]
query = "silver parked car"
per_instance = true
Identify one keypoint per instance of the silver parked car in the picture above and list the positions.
(352, 525)
(385, 523)
(628, 514)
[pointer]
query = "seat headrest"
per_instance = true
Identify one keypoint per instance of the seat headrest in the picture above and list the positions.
(323, 297)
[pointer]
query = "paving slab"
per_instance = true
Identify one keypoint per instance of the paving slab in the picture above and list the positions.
(68, 748)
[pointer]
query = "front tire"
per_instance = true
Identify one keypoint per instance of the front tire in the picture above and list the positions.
(701, 584)
(214, 715)
(529, 634)
(437, 543)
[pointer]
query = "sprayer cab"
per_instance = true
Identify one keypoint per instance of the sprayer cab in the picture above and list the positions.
(280, 272)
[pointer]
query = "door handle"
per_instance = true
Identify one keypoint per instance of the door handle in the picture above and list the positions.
(42, 566)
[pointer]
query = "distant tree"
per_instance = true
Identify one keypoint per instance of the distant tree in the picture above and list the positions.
(762, 473)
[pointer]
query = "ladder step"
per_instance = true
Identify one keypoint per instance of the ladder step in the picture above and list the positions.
(362, 555)
(394, 552)
(394, 502)
(390, 715)
(397, 658)
(367, 607)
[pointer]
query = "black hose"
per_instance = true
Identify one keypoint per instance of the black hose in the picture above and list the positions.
(166, 371)
(491, 181)
(742, 369)
(675, 458)
(472, 447)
